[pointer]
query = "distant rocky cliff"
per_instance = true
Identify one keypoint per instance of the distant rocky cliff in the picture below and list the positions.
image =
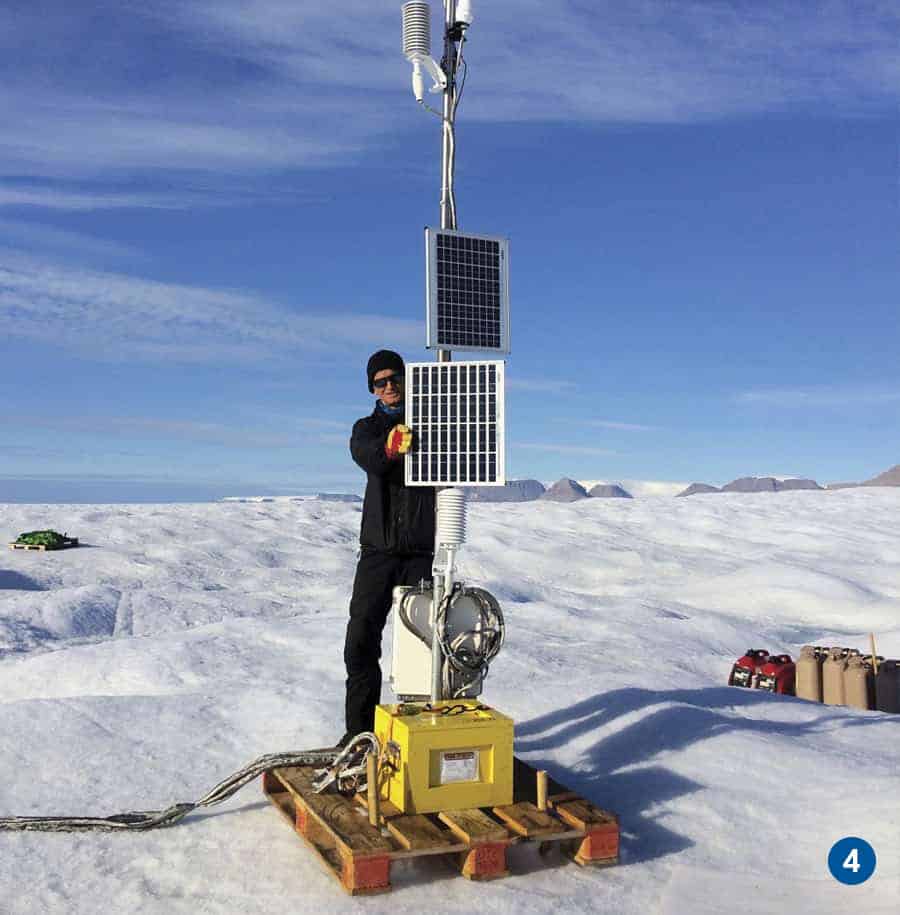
(753, 484)
(888, 478)
(565, 490)
(609, 491)
(513, 491)
(694, 488)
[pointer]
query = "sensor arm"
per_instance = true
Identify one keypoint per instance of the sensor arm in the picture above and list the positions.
(420, 63)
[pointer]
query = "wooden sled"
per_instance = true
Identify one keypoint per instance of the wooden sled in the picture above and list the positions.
(65, 545)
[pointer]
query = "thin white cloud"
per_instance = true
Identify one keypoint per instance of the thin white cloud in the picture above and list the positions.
(153, 428)
(619, 427)
(564, 449)
(65, 134)
(274, 84)
(205, 432)
(321, 423)
(115, 317)
(41, 454)
(849, 396)
(334, 438)
(92, 196)
(137, 477)
(54, 198)
(29, 236)
(291, 419)
(545, 385)
(604, 61)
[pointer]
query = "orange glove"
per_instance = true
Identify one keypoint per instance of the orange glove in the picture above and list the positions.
(398, 442)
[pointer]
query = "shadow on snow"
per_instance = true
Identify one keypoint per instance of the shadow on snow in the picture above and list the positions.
(694, 717)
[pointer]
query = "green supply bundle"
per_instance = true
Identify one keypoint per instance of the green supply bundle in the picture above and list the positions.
(50, 540)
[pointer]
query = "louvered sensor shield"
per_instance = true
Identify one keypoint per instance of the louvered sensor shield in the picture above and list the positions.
(468, 291)
(455, 410)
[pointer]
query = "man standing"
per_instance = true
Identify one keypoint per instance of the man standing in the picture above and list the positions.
(396, 536)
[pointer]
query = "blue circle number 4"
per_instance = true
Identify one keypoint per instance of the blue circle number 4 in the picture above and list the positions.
(851, 860)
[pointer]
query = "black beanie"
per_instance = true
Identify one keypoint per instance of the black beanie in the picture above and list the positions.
(383, 359)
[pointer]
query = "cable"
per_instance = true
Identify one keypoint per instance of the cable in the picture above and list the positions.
(135, 821)
(460, 62)
(440, 114)
(451, 171)
(462, 85)
(457, 95)
(451, 711)
(449, 124)
(471, 652)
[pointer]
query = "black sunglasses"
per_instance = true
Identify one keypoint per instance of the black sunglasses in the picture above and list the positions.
(395, 379)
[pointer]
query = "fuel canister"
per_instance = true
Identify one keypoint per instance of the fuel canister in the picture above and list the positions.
(833, 676)
(744, 671)
(809, 672)
(777, 675)
(887, 686)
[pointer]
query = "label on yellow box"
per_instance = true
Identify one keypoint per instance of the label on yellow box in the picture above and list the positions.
(459, 767)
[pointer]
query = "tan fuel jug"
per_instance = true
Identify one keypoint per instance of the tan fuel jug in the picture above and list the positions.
(887, 686)
(833, 676)
(809, 673)
(859, 683)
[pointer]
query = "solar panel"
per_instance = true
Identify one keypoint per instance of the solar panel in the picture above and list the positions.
(468, 291)
(455, 410)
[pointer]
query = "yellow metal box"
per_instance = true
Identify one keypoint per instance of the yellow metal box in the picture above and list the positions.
(445, 756)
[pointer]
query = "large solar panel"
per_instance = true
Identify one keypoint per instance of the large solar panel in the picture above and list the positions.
(455, 410)
(468, 291)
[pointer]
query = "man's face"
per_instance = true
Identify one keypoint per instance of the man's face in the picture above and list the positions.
(391, 393)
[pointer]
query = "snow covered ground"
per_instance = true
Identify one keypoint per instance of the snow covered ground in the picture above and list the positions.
(184, 640)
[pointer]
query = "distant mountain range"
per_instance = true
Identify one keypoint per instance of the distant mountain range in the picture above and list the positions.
(888, 478)
(563, 490)
(321, 497)
(569, 490)
(513, 491)
(753, 484)
(774, 484)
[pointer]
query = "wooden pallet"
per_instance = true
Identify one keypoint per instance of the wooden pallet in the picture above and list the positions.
(360, 855)
(68, 542)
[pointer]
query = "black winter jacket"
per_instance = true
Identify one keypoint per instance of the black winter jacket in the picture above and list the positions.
(396, 518)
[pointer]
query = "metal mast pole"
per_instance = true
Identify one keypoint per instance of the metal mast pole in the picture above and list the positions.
(448, 221)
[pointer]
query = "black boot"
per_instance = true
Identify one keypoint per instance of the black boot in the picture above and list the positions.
(344, 741)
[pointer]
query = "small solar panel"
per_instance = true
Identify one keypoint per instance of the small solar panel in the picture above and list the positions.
(468, 291)
(455, 410)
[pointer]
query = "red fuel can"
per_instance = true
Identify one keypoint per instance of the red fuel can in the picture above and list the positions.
(745, 669)
(777, 675)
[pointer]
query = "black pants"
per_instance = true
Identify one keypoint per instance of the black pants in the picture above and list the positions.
(377, 574)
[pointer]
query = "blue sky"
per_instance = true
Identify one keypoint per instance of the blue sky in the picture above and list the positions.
(211, 213)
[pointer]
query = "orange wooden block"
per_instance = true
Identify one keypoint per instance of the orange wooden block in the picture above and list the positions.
(485, 861)
(366, 874)
(600, 844)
